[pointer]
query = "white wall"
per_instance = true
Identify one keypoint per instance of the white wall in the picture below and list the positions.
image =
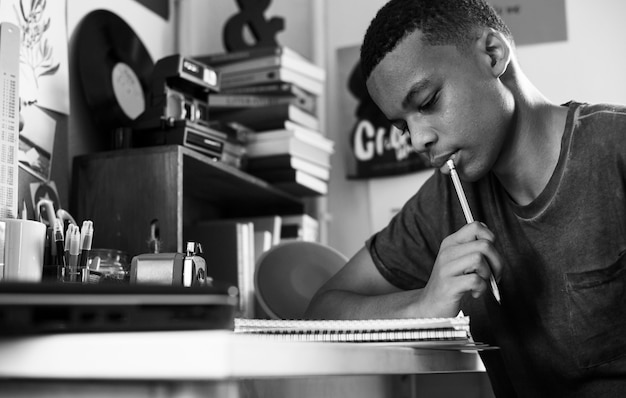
(202, 24)
(348, 200)
(588, 67)
(591, 65)
(153, 31)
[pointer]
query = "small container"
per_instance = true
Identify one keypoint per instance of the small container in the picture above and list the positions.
(108, 265)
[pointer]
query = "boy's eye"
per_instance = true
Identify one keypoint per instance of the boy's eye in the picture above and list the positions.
(429, 103)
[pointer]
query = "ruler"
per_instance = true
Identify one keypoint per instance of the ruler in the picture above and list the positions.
(9, 118)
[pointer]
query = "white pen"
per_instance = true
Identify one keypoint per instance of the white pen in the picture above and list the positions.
(468, 216)
(73, 273)
(86, 237)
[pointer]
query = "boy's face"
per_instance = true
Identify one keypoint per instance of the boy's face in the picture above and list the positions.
(450, 102)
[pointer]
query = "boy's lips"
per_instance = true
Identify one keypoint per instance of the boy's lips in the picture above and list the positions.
(440, 160)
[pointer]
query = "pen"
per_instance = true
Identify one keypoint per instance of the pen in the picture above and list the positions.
(72, 273)
(86, 237)
(68, 234)
(59, 244)
(468, 216)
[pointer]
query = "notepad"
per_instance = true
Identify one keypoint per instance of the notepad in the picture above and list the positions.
(411, 330)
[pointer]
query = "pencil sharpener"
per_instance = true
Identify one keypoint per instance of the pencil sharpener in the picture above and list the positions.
(176, 269)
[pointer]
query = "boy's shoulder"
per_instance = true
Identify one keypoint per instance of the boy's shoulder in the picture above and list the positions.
(599, 109)
(602, 118)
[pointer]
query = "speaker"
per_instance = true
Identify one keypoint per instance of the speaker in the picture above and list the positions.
(288, 275)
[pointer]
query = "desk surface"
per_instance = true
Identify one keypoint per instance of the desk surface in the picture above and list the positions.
(211, 355)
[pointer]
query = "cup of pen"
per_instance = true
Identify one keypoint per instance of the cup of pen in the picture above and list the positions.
(77, 245)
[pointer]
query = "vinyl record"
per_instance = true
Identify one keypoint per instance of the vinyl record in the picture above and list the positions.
(114, 68)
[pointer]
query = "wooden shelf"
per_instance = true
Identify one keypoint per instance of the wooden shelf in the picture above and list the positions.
(235, 192)
(123, 191)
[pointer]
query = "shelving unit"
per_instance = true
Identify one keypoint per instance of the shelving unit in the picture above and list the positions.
(124, 191)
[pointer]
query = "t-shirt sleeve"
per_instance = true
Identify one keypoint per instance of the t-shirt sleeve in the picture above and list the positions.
(404, 252)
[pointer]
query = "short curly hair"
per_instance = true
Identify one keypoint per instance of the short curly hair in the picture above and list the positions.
(442, 22)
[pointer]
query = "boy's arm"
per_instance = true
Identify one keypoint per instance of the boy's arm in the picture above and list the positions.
(464, 265)
(359, 291)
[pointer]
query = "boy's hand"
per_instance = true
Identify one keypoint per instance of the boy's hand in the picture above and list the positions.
(465, 262)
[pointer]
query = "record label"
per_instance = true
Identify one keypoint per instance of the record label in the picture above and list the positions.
(128, 91)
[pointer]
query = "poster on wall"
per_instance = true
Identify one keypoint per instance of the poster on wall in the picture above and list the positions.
(44, 78)
(533, 21)
(377, 149)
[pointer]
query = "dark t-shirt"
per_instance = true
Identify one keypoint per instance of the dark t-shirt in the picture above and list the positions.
(561, 326)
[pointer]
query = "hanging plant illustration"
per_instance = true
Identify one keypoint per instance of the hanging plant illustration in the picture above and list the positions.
(36, 55)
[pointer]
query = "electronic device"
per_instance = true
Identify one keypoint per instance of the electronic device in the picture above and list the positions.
(177, 110)
(204, 139)
(176, 269)
(179, 90)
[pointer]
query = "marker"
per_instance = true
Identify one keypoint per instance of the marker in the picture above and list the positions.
(73, 273)
(86, 237)
(468, 216)
(59, 244)
(68, 235)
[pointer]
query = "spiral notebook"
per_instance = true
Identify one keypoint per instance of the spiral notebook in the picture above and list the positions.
(417, 332)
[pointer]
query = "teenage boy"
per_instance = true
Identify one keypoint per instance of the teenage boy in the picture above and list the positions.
(545, 182)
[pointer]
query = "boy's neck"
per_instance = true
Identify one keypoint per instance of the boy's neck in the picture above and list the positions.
(529, 159)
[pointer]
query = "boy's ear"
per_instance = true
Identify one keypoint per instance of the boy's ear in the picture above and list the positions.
(496, 50)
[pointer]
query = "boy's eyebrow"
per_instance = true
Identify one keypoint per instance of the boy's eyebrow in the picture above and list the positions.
(416, 88)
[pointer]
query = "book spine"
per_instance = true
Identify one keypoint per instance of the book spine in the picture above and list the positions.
(302, 66)
(247, 65)
(292, 147)
(236, 56)
(249, 78)
(246, 269)
(272, 75)
(294, 131)
(221, 102)
(307, 226)
(279, 88)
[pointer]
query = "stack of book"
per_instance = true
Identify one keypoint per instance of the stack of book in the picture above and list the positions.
(274, 92)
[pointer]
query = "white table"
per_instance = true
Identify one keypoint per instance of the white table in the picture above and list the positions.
(210, 363)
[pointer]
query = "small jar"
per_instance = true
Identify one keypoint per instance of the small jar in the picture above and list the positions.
(108, 265)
